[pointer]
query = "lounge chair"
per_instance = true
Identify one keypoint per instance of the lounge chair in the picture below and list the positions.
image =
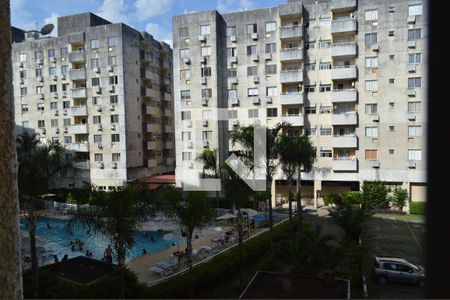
(159, 271)
(167, 265)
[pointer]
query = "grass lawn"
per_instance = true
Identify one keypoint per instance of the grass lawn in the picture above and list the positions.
(406, 218)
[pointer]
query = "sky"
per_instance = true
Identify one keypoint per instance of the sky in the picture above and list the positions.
(153, 16)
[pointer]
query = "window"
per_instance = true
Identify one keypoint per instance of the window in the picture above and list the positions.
(64, 51)
(414, 34)
(325, 66)
(371, 85)
(54, 123)
(310, 110)
(52, 71)
(372, 132)
(205, 29)
(22, 57)
(207, 135)
(310, 67)
(372, 62)
(232, 94)
(185, 95)
(324, 88)
(414, 154)
(51, 53)
(185, 74)
(271, 26)
(95, 62)
(115, 157)
(415, 58)
(371, 15)
(185, 115)
(66, 104)
(311, 131)
(391, 105)
(232, 72)
(391, 151)
(293, 112)
(114, 118)
(391, 128)
(38, 72)
(67, 139)
(186, 136)
(310, 88)
(97, 138)
(371, 154)
(112, 60)
(96, 101)
(231, 52)
(271, 91)
(371, 108)
(325, 109)
(186, 156)
(326, 153)
(251, 50)
(113, 99)
(24, 107)
(414, 131)
(184, 53)
(64, 70)
(23, 74)
(206, 72)
(206, 93)
(39, 90)
(41, 123)
(206, 51)
(115, 138)
(252, 71)
(272, 112)
(232, 114)
(310, 45)
(415, 10)
(206, 114)
(53, 88)
(183, 32)
(391, 33)
(112, 41)
(391, 57)
(253, 113)
(252, 92)
(231, 30)
(414, 82)
(271, 69)
(95, 81)
(95, 44)
(53, 105)
(251, 28)
(370, 38)
(391, 9)
(66, 122)
(391, 80)
(98, 157)
(325, 44)
(325, 131)
(271, 48)
(65, 87)
(37, 55)
(414, 107)
(113, 79)
(23, 91)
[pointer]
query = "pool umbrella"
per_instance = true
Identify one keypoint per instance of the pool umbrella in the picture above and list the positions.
(250, 212)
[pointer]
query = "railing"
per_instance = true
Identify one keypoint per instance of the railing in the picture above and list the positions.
(344, 67)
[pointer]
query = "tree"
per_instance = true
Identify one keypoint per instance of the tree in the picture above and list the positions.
(192, 211)
(350, 219)
(40, 167)
(116, 214)
(209, 160)
(374, 195)
(399, 198)
(10, 266)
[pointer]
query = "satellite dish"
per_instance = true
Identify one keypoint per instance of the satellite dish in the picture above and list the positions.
(46, 29)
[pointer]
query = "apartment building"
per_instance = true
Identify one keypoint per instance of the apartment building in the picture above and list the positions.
(349, 74)
(102, 90)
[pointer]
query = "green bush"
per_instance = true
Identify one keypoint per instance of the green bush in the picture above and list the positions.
(417, 208)
(374, 195)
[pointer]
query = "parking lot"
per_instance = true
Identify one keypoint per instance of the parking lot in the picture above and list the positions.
(394, 238)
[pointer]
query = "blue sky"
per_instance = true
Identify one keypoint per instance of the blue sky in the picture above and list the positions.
(153, 16)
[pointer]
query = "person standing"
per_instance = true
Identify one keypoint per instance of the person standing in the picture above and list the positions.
(108, 254)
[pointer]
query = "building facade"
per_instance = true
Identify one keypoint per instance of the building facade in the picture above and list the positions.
(102, 90)
(349, 74)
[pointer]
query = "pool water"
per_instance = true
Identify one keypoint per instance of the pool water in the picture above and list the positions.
(57, 240)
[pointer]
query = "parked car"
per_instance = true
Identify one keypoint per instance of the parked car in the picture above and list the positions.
(397, 270)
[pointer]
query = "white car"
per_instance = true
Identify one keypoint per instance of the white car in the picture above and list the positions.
(397, 270)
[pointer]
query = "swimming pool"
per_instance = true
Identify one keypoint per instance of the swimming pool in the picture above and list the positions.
(57, 240)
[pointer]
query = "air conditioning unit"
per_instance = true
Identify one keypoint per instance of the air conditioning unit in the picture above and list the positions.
(66, 130)
(97, 89)
(41, 96)
(100, 165)
(112, 107)
(411, 19)
(233, 80)
(186, 60)
(99, 108)
(411, 44)
(113, 126)
(411, 116)
(21, 64)
(22, 81)
(55, 95)
(57, 130)
(255, 57)
(269, 100)
(411, 164)
(412, 68)
(54, 77)
(65, 112)
(375, 117)
(190, 145)
(189, 123)
(114, 165)
(55, 112)
(375, 163)
(205, 101)
(110, 68)
(202, 38)
(40, 79)
(233, 38)
(256, 79)
(411, 92)
(233, 59)
(96, 70)
(53, 59)
(64, 94)
(100, 146)
(375, 47)
(203, 80)
(255, 100)
(268, 56)
(99, 127)
(205, 123)
(111, 88)
(205, 144)
(254, 36)
(203, 60)
(234, 101)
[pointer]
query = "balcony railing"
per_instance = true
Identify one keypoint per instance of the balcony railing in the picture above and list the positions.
(344, 141)
(337, 5)
(79, 129)
(77, 56)
(78, 147)
(77, 74)
(291, 32)
(345, 164)
(292, 98)
(82, 164)
(342, 26)
(348, 118)
(293, 119)
(289, 54)
(291, 76)
(343, 72)
(348, 95)
(79, 93)
(343, 50)
(79, 110)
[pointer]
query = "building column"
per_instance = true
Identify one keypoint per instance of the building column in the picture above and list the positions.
(407, 185)
(273, 192)
(317, 187)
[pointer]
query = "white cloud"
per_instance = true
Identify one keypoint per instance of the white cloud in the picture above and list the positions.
(246, 4)
(20, 17)
(146, 9)
(159, 33)
(113, 11)
(54, 20)
(224, 6)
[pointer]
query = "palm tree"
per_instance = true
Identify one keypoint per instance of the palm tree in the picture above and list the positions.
(116, 214)
(192, 210)
(350, 219)
(209, 160)
(40, 167)
(288, 158)
(10, 270)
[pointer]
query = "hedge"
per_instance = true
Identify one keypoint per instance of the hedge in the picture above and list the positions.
(417, 208)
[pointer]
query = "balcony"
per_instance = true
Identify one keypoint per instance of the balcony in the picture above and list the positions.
(344, 72)
(343, 26)
(168, 145)
(291, 76)
(152, 162)
(342, 165)
(349, 118)
(79, 111)
(290, 9)
(78, 147)
(344, 141)
(77, 56)
(342, 5)
(83, 165)
(168, 112)
(291, 54)
(77, 74)
(292, 98)
(79, 129)
(153, 110)
(294, 120)
(291, 32)
(344, 95)
(154, 128)
(79, 93)
(343, 50)
(153, 145)
(168, 128)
